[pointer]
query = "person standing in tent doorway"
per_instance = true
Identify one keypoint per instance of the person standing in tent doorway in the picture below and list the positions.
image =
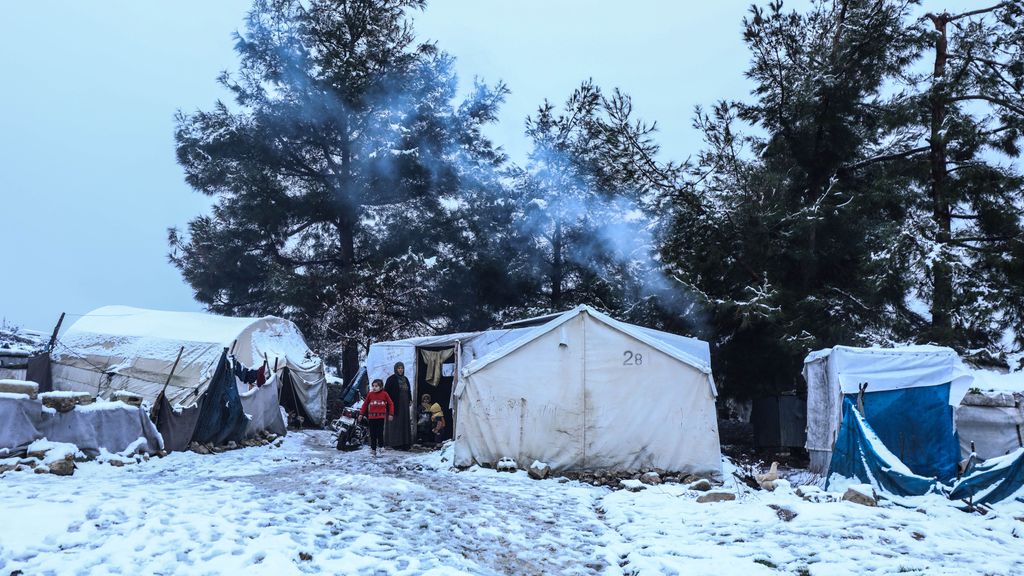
(376, 408)
(399, 434)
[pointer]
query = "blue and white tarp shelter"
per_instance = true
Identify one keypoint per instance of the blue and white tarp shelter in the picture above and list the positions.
(909, 399)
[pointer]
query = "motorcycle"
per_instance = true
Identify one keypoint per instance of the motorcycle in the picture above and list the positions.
(351, 432)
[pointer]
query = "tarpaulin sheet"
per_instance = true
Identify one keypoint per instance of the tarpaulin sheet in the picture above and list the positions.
(19, 422)
(860, 454)
(916, 424)
(177, 426)
(993, 480)
(221, 419)
(110, 426)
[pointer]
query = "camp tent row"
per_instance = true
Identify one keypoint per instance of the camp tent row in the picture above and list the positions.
(122, 348)
(581, 391)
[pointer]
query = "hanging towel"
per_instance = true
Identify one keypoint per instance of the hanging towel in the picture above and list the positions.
(434, 359)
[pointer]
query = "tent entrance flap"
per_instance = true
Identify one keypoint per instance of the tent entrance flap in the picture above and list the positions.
(435, 375)
(298, 416)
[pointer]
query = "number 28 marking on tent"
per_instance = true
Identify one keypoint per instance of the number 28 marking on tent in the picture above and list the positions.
(632, 359)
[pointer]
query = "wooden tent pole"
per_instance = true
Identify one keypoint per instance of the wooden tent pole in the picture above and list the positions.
(56, 329)
(163, 391)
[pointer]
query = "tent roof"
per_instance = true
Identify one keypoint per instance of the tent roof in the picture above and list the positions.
(687, 350)
(895, 368)
(142, 323)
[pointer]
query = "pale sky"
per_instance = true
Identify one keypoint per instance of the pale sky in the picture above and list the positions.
(88, 178)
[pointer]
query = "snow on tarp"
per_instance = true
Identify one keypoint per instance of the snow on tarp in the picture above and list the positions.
(119, 347)
(860, 454)
(110, 426)
(994, 480)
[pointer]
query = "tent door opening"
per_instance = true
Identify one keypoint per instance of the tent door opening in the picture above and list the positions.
(435, 375)
(298, 417)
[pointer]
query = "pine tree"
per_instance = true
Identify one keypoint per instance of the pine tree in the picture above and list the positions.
(331, 170)
(777, 235)
(964, 237)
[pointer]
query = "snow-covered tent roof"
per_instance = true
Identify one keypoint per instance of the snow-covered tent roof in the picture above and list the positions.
(134, 348)
(692, 351)
(895, 368)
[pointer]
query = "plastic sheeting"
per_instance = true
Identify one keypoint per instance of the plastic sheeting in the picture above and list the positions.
(993, 480)
(110, 426)
(261, 408)
(176, 425)
(581, 393)
(19, 422)
(860, 454)
(916, 424)
(221, 419)
(123, 348)
(994, 422)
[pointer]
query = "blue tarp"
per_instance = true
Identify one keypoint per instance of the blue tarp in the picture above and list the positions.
(221, 419)
(859, 453)
(916, 425)
(994, 480)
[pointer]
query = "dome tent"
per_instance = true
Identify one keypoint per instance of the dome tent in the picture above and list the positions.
(122, 348)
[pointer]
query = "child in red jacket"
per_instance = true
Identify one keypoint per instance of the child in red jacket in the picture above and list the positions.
(376, 407)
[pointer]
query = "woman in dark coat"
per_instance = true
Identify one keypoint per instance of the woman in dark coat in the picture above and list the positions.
(399, 431)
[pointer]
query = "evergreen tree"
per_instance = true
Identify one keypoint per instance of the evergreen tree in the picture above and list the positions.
(777, 235)
(963, 240)
(590, 191)
(331, 169)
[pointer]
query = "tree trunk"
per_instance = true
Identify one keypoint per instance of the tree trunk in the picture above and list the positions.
(557, 268)
(942, 280)
(347, 251)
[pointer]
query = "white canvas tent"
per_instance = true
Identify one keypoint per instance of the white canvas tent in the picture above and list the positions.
(586, 392)
(123, 348)
(833, 372)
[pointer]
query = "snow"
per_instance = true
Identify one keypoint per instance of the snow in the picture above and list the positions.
(305, 508)
(986, 380)
(54, 450)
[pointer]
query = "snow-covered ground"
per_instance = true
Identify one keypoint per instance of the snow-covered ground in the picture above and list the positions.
(305, 508)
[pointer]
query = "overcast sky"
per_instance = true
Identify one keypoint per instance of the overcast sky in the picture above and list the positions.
(88, 178)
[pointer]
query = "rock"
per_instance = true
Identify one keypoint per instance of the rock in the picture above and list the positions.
(862, 494)
(689, 478)
(198, 448)
(65, 401)
(7, 467)
(231, 445)
(784, 514)
(651, 478)
(539, 470)
(671, 479)
(702, 485)
(62, 467)
(507, 465)
(632, 485)
(37, 454)
(27, 387)
(716, 497)
(129, 398)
